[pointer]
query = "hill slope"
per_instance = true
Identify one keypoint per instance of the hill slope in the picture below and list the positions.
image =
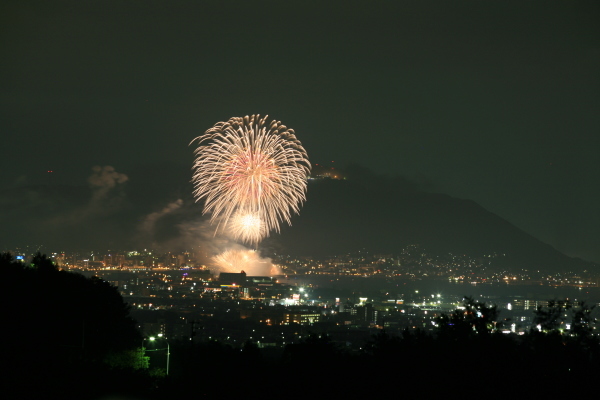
(383, 215)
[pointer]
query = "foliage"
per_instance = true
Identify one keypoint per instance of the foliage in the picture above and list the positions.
(311, 348)
(475, 318)
(131, 359)
(67, 332)
(582, 321)
(42, 263)
(64, 316)
(550, 318)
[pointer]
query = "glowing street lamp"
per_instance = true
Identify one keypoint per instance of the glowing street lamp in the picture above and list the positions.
(160, 335)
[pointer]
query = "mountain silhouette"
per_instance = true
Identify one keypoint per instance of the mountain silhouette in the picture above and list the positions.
(385, 214)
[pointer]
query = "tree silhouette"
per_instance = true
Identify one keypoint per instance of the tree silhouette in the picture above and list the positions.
(60, 324)
(551, 317)
(476, 318)
(582, 320)
(42, 263)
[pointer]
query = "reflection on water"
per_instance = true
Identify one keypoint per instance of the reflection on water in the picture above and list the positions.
(377, 287)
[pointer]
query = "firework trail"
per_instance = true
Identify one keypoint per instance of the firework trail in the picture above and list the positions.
(252, 175)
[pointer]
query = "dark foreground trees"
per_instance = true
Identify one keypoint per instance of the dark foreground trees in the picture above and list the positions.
(60, 329)
(561, 355)
(70, 337)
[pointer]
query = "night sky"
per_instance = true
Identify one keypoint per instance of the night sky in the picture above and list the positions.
(493, 101)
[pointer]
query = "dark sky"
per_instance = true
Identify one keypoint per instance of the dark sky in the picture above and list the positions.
(494, 101)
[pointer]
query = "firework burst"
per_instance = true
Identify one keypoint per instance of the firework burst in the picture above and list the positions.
(252, 174)
(247, 227)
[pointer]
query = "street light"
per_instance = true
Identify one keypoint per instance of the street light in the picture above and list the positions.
(160, 335)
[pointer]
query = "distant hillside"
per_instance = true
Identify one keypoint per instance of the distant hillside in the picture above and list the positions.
(383, 215)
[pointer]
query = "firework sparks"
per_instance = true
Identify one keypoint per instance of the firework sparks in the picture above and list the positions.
(252, 175)
(248, 227)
